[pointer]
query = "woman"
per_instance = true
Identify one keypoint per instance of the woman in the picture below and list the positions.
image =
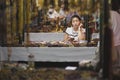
(115, 26)
(76, 32)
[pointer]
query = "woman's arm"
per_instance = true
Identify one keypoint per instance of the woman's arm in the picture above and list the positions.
(67, 38)
(81, 34)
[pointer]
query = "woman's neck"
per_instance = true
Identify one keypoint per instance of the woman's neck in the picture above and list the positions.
(75, 29)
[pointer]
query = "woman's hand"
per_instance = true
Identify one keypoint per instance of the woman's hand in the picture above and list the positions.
(70, 39)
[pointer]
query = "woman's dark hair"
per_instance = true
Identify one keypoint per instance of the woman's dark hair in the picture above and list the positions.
(76, 16)
(115, 5)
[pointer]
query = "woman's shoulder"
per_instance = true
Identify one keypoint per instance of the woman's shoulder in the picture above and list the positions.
(69, 29)
(114, 13)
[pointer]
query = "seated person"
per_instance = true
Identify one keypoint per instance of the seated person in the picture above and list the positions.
(69, 14)
(62, 11)
(76, 32)
(52, 13)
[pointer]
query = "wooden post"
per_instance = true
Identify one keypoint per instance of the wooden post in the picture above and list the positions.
(107, 44)
(28, 19)
(13, 22)
(66, 5)
(72, 3)
(3, 33)
(56, 4)
(45, 4)
(20, 20)
(8, 24)
(52, 2)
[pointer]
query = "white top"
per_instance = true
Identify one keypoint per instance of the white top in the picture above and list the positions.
(115, 21)
(72, 33)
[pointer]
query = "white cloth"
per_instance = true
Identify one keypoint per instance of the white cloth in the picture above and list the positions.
(117, 55)
(73, 34)
(53, 15)
(115, 21)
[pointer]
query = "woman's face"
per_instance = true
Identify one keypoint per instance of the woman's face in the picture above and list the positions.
(75, 22)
